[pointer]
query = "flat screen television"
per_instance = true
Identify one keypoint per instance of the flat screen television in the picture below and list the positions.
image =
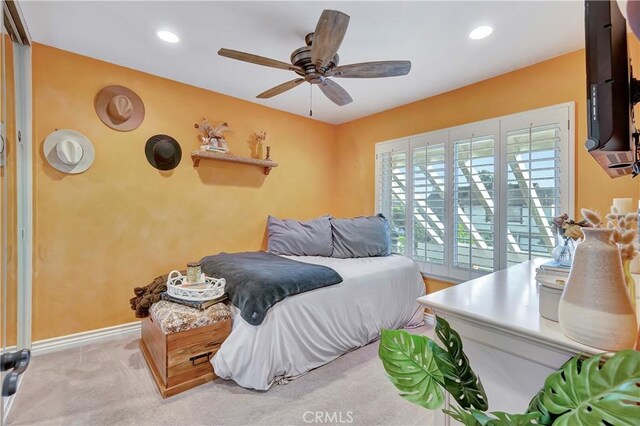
(611, 89)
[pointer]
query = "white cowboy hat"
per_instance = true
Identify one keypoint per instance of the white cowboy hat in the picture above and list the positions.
(69, 151)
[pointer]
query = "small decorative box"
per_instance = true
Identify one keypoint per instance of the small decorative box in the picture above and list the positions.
(205, 289)
(549, 299)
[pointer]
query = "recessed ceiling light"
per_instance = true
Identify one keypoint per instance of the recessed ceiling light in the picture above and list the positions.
(480, 32)
(168, 36)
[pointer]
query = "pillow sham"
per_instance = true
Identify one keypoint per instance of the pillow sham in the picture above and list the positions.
(297, 238)
(367, 236)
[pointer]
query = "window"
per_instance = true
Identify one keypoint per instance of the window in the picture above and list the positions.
(536, 145)
(476, 198)
(391, 190)
(474, 155)
(429, 199)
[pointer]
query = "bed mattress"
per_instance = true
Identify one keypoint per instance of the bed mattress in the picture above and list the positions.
(310, 329)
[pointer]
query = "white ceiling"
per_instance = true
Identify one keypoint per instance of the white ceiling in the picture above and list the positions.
(433, 35)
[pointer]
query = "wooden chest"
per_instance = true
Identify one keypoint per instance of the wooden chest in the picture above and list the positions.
(180, 361)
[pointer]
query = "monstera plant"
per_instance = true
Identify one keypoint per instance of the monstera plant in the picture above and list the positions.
(591, 391)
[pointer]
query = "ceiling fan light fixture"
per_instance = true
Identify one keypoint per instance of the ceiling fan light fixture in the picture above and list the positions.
(168, 36)
(481, 32)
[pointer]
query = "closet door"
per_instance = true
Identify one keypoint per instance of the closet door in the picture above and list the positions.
(15, 108)
(8, 212)
(8, 229)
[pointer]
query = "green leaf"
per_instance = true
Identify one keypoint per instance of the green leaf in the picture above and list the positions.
(592, 393)
(463, 416)
(411, 367)
(536, 406)
(460, 380)
(475, 417)
(481, 417)
(506, 419)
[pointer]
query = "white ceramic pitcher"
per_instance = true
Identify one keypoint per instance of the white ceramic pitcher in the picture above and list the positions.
(595, 309)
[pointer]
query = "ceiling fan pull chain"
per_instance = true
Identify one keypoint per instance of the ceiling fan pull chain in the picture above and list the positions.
(311, 100)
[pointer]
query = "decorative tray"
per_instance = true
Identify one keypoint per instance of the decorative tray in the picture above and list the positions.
(207, 289)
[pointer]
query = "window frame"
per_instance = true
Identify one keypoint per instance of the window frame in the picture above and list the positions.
(498, 127)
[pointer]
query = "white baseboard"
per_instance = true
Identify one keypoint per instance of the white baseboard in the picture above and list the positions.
(54, 344)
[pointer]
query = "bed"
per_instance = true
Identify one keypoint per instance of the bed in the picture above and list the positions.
(310, 329)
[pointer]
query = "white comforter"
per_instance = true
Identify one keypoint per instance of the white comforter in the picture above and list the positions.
(310, 329)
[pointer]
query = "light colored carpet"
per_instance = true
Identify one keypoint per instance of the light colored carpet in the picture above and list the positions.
(109, 384)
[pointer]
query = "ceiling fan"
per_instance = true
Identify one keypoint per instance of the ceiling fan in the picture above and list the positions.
(318, 60)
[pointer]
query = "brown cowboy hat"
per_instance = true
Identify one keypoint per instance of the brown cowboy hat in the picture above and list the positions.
(119, 108)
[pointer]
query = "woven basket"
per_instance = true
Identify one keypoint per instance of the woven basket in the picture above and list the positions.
(207, 289)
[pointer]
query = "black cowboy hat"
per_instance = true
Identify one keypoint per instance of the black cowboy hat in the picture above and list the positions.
(163, 152)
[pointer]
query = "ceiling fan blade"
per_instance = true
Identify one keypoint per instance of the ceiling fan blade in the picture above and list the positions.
(255, 59)
(280, 89)
(328, 36)
(372, 69)
(335, 92)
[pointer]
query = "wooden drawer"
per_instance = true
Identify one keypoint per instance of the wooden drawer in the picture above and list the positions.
(180, 361)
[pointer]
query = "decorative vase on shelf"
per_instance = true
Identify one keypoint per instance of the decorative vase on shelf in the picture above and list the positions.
(563, 251)
(259, 150)
(595, 308)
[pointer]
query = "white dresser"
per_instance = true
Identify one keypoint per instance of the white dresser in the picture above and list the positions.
(509, 345)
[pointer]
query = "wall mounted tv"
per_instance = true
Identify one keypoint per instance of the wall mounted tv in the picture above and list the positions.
(611, 90)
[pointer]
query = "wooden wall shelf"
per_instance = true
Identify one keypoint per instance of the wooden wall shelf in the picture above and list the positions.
(196, 156)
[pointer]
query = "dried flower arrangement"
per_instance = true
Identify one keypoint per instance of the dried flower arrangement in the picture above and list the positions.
(624, 235)
(213, 136)
(624, 229)
(569, 228)
(260, 137)
(256, 140)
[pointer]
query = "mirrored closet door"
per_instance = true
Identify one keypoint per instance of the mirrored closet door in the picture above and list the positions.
(8, 267)
(14, 105)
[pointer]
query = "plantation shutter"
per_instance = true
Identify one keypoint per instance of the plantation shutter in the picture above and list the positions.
(429, 207)
(479, 197)
(535, 154)
(474, 199)
(392, 190)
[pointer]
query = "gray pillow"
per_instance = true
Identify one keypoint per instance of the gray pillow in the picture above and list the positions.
(296, 238)
(361, 237)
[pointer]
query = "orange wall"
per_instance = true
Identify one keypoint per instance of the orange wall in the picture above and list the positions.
(551, 82)
(122, 223)
(433, 285)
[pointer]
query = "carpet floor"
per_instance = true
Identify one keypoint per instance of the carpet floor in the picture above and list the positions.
(109, 384)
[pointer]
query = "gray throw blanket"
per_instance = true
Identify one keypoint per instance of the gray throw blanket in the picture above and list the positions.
(258, 280)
